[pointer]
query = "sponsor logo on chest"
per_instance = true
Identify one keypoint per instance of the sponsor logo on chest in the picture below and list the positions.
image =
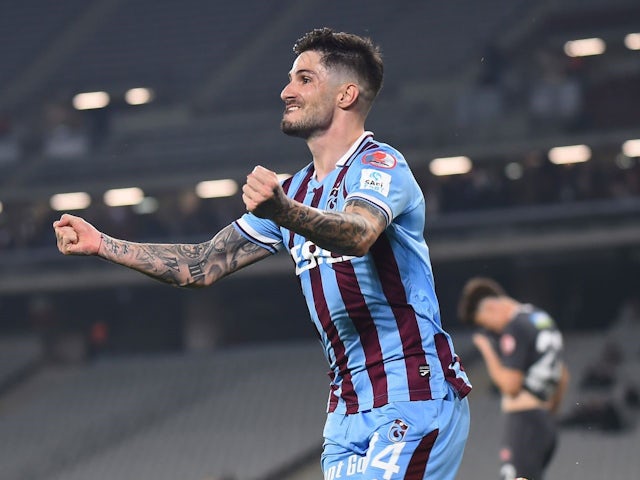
(308, 255)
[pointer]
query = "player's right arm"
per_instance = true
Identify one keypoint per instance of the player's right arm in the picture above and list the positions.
(558, 396)
(183, 265)
(508, 380)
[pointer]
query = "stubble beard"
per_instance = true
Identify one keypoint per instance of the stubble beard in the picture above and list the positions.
(296, 129)
(306, 127)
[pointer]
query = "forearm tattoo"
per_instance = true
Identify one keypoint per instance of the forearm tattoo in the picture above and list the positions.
(186, 265)
(339, 232)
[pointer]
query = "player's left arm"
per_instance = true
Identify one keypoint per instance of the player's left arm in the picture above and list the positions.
(349, 232)
(561, 390)
(508, 380)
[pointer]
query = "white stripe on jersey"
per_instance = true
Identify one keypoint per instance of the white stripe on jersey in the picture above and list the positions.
(258, 236)
(381, 205)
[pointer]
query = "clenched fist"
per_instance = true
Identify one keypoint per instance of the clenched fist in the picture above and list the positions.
(263, 195)
(76, 236)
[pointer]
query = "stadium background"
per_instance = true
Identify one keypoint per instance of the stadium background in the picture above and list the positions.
(106, 374)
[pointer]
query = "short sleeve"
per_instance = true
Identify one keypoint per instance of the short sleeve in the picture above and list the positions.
(514, 345)
(260, 231)
(382, 177)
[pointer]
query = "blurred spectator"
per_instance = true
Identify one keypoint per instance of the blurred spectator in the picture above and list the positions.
(31, 228)
(5, 233)
(64, 135)
(625, 331)
(9, 144)
(555, 96)
(483, 100)
(99, 337)
(44, 320)
(183, 215)
(611, 379)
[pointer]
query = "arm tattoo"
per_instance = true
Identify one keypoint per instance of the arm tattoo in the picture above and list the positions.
(186, 265)
(339, 232)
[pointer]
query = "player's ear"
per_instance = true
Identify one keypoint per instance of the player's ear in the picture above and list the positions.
(348, 95)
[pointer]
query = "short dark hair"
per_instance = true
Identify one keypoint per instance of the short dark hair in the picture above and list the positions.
(475, 291)
(348, 51)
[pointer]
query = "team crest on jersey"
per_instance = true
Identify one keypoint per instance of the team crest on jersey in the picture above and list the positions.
(332, 201)
(375, 180)
(507, 344)
(379, 159)
(397, 431)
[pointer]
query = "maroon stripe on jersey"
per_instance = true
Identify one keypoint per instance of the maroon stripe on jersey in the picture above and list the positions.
(370, 146)
(287, 184)
(300, 194)
(366, 144)
(418, 463)
(414, 355)
(322, 310)
(335, 190)
(447, 360)
(361, 317)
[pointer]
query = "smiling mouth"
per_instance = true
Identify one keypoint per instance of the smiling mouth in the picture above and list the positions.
(291, 108)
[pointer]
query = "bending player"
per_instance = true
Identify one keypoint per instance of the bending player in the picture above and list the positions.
(526, 366)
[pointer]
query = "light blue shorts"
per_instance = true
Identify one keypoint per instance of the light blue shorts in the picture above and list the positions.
(401, 440)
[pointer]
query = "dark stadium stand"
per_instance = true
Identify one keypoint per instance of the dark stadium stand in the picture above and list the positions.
(208, 415)
(35, 24)
(134, 42)
(167, 417)
(20, 355)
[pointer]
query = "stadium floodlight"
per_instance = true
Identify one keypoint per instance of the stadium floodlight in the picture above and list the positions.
(216, 188)
(631, 148)
(450, 166)
(632, 41)
(585, 47)
(139, 96)
(91, 100)
(569, 154)
(120, 197)
(61, 202)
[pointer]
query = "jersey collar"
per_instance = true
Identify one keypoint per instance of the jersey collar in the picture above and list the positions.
(356, 146)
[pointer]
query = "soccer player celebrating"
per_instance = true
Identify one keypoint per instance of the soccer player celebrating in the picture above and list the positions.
(352, 221)
(526, 366)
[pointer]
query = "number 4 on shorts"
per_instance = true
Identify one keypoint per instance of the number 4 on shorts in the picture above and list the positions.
(387, 459)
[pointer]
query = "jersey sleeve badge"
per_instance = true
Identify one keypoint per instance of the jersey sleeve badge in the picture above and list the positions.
(375, 180)
(379, 159)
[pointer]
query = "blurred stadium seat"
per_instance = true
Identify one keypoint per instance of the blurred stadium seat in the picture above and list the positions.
(168, 416)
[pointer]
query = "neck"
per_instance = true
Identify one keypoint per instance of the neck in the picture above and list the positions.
(329, 146)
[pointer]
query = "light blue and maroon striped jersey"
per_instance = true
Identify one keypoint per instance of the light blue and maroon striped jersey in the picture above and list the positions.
(377, 315)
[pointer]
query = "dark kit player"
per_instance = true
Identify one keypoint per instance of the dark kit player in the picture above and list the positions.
(525, 363)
